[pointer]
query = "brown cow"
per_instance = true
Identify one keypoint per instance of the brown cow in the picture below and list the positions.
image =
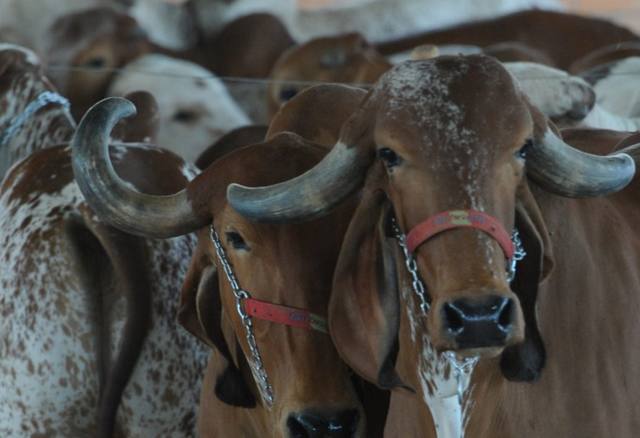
(85, 47)
(345, 58)
(562, 37)
(444, 145)
(306, 389)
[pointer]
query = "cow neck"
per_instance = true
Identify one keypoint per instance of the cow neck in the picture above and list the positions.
(248, 308)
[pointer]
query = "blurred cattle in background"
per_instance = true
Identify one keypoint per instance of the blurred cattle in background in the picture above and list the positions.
(195, 108)
(378, 20)
(84, 50)
(91, 345)
(350, 59)
(34, 116)
(536, 29)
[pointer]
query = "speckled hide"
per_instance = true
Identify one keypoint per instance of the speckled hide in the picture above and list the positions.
(21, 81)
(83, 306)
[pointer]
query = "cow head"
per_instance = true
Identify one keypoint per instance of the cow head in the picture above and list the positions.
(344, 59)
(195, 108)
(291, 265)
(448, 134)
(85, 47)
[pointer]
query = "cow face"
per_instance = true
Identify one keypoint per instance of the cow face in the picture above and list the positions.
(290, 265)
(448, 134)
(460, 162)
(85, 47)
(344, 59)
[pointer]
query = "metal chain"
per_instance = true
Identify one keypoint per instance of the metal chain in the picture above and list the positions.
(43, 99)
(412, 267)
(257, 366)
(518, 255)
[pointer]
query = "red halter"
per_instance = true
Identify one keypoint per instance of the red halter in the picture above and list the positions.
(448, 220)
(291, 316)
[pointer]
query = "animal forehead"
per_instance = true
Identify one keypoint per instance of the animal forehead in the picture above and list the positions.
(449, 98)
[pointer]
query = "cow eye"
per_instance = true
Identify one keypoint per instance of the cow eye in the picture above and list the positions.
(287, 93)
(96, 62)
(522, 152)
(184, 116)
(236, 240)
(389, 157)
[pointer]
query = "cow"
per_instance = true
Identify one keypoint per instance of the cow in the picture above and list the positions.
(291, 379)
(432, 282)
(350, 59)
(83, 50)
(27, 21)
(539, 30)
(34, 115)
(616, 84)
(195, 108)
(380, 20)
(603, 56)
(90, 342)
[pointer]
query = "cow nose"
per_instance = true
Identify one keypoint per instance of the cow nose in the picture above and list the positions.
(343, 424)
(479, 321)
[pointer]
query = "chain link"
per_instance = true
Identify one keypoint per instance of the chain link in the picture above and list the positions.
(412, 267)
(257, 366)
(43, 99)
(518, 255)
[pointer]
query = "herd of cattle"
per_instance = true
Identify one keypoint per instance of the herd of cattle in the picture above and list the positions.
(254, 234)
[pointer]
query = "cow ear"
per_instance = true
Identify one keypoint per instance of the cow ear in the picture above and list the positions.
(200, 314)
(364, 307)
(525, 361)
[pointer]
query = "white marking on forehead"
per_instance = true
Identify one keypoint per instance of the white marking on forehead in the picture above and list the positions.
(424, 89)
(30, 56)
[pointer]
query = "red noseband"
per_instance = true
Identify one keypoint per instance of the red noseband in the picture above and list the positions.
(286, 315)
(448, 220)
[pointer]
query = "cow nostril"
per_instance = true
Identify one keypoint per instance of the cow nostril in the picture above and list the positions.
(505, 315)
(341, 424)
(345, 424)
(453, 319)
(296, 428)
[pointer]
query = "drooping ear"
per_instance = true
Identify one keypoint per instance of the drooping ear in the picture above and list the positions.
(143, 127)
(364, 308)
(524, 362)
(200, 313)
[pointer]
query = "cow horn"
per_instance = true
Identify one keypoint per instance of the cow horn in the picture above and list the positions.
(308, 196)
(114, 200)
(566, 171)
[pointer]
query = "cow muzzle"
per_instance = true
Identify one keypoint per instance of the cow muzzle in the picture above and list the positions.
(340, 424)
(487, 322)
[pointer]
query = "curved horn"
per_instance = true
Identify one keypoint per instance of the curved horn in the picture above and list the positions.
(114, 200)
(308, 196)
(566, 171)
